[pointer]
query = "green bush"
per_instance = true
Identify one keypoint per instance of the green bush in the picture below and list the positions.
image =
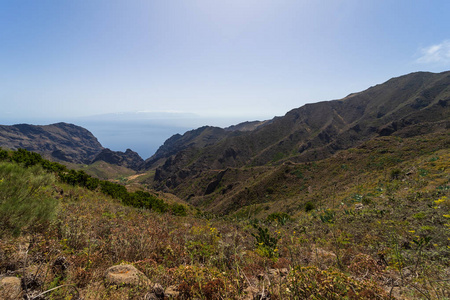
(114, 190)
(145, 200)
(80, 178)
(26, 158)
(3, 154)
(328, 216)
(309, 206)
(395, 174)
(281, 218)
(265, 243)
(22, 202)
(178, 209)
(92, 183)
(53, 166)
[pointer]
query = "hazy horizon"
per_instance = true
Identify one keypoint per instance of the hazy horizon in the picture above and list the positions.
(146, 135)
(228, 61)
(66, 59)
(142, 132)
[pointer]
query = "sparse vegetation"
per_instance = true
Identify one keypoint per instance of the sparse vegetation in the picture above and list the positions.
(376, 229)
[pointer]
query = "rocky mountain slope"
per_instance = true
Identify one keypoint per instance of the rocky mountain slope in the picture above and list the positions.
(409, 105)
(60, 142)
(405, 106)
(65, 142)
(128, 159)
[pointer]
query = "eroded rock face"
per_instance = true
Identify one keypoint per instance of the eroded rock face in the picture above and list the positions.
(10, 288)
(129, 158)
(125, 275)
(61, 141)
(405, 106)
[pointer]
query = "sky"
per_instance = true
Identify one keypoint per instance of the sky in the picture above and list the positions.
(248, 59)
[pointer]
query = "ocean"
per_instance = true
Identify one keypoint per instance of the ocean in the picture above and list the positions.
(143, 137)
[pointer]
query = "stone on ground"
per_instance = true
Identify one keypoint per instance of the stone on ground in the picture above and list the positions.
(125, 275)
(10, 288)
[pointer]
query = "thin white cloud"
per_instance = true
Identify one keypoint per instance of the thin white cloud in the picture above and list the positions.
(439, 53)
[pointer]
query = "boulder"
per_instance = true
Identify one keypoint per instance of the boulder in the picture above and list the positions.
(125, 275)
(10, 288)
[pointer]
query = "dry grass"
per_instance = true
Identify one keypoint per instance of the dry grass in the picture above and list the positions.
(375, 234)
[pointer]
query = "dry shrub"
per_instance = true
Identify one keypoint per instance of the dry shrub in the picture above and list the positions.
(213, 289)
(82, 277)
(307, 282)
(282, 263)
(365, 266)
(253, 264)
(10, 259)
(200, 282)
(119, 233)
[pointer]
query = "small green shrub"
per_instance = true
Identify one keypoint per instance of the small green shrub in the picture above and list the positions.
(270, 190)
(114, 190)
(265, 243)
(178, 209)
(328, 216)
(309, 206)
(423, 172)
(92, 183)
(395, 174)
(281, 218)
(22, 200)
(278, 156)
(3, 154)
(144, 200)
(202, 243)
(298, 174)
(420, 215)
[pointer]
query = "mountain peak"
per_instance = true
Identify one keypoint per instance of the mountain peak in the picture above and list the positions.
(408, 105)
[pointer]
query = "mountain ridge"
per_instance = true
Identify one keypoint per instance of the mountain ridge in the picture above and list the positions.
(407, 105)
(65, 142)
(59, 141)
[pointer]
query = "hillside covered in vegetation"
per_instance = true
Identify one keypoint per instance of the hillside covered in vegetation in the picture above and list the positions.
(371, 222)
(411, 105)
(345, 199)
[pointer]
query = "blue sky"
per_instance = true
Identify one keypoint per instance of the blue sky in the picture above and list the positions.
(62, 59)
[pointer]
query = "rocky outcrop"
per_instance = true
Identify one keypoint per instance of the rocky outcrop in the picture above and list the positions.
(195, 139)
(64, 142)
(128, 159)
(59, 142)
